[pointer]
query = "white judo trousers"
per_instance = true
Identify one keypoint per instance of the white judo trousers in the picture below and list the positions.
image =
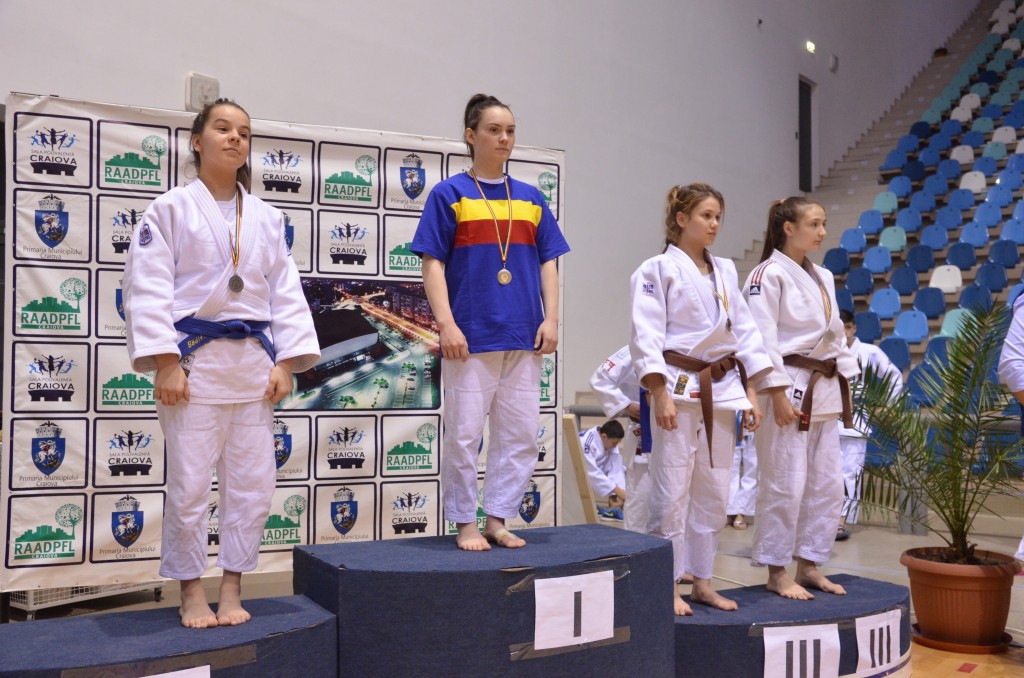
(688, 496)
(853, 452)
(504, 388)
(743, 485)
(637, 508)
(800, 490)
(237, 440)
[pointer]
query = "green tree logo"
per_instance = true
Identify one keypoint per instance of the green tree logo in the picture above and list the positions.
(73, 289)
(68, 516)
(547, 181)
(427, 433)
(295, 506)
(366, 164)
(155, 147)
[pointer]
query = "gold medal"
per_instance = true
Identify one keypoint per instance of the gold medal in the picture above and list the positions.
(504, 276)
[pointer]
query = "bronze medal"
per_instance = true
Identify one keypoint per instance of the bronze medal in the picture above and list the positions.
(235, 284)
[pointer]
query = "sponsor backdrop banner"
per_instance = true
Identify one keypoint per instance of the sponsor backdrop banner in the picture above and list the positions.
(357, 444)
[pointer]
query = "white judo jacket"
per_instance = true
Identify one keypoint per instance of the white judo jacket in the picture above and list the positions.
(615, 383)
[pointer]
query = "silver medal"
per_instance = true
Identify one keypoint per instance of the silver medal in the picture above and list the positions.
(235, 284)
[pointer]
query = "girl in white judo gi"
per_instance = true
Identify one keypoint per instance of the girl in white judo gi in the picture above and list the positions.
(214, 304)
(800, 484)
(692, 336)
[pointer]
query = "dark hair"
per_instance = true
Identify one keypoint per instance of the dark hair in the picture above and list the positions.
(683, 199)
(779, 213)
(845, 316)
(244, 175)
(612, 429)
(475, 108)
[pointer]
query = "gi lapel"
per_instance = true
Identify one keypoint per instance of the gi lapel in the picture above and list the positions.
(696, 280)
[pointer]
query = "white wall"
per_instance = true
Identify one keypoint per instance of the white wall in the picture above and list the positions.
(640, 94)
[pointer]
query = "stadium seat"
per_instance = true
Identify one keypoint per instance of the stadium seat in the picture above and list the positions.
(893, 238)
(901, 185)
(981, 124)
(1018, 210)
(912, 326)
(963, 154)
(949, 217)
(961, 114)
(904, 280)
(914, 386)
(1006, 253)
(898, 351)
(837, 260)
(923, 202)
(1006, 134)
(947, 278)
(915, 169)
(1014, 292)
(941, 141)
(973, 139)
(935, 237)
(988, 214)
(885, 302)
(1015, 163)
(908, 143)
(920, 258)
(1013, 229)
(951, 322)
(877, 259)
(951, 128)
(974, 181)
(962, 198)
(860, 281)
(974, 234)
(962, 255)
(886, 202)
(937, 350)
(975, 296)
(869, 327)
(936, 184)
(853, 240)
(930, 301)
(894, 160)
(1010, 178)
(949, 168)
(990, 110)
(909, 219)
(992, 276)
(981, 88)
(870, 221)
(921, 129)
(994, 149)
(986, 165)
(971, 100)
(844, 299)
(1000, 195)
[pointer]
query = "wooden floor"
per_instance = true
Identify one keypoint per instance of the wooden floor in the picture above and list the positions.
(928, 662)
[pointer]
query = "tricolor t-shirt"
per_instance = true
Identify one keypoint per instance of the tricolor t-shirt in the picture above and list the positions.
(458, 230)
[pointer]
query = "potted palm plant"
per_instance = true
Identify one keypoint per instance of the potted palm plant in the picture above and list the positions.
(949, 444)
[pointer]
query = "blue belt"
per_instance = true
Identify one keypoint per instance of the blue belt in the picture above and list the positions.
(202, 331)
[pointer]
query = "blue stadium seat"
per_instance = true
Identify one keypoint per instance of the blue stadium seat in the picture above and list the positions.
(886, 202)
(930, 301)
(908, 143)
(921, 129)
(912, 326)
(951, 128)
(922, 202)
(937, 350)
(1015, 163)
(920, 258)
(894, 160)
(904, 280)
(916, 169)
(885, 302)
(985, 164)
(869, 327)
(877, 259)
(1011, 178)
(974, 296)
(974, 234)
(949, 168)
(853, 240)
(961, 199)
(1004, 253)
(901, 185)
(990, 110)
(1000, 196)
(988, 214)
(870, 221)
(1014, 119)
(898, 351)
(1013, 229)
(935, 237)
(860, 281)
(974, 139)
(949, 217)
(992, 276)
(909, 219)
(936, 185)
(1018, 210)
(941, 142)
(837, 260)
(915, 388)
(844, 299)
(962, 255)
(1014, 292)
(893, 238)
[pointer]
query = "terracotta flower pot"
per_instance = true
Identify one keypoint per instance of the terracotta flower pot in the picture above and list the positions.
(961, 605)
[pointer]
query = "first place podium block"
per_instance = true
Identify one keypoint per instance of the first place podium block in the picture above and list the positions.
(580, 600)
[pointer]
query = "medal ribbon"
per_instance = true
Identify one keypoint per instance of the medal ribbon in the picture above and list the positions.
(503, 249)
(238, 230)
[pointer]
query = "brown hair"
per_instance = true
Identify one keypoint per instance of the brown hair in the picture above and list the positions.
(781, 211)
(475, 108)
(683, 199)
(244, 175)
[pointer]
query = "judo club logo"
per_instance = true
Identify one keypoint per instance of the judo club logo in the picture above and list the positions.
(50, 380)
(345, 448)
(530, 506)
(55, 315)
(128, 390)
(414, 177)
(138, 170)
(409, 513)
(410, 456)
(126, 522)
(344, 510)
(125, 221)
(279, 172)
(47, 541)
(280, 530)
(351, 186)
(547, 182)
(50, 152)
(51, 221)
(48, 448)
(128, 453)
(348, 244)
(282, 443)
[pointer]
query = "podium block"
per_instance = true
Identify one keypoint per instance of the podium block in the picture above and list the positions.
(421, 607)
(869, 628)
(286, 637)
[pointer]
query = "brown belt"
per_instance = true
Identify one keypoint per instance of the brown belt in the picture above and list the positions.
(706, 374)
(828, 369)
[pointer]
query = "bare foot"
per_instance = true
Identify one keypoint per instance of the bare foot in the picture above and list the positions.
(703, 593)
(502, 537)
(229, 606)
(781, 583)
(470, 539)
(679, 605)
(808, 574)
(195, 611)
